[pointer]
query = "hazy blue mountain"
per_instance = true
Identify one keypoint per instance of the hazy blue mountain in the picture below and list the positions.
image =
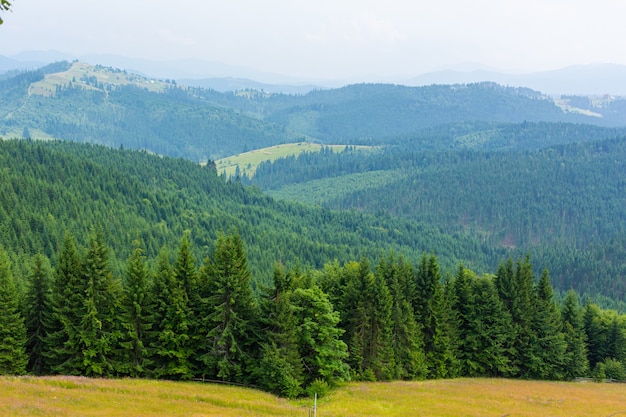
(593, 79)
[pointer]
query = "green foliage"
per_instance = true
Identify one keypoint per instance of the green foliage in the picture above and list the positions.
(366, 313)
(610, 369)
(230, 313)
(68, 303)
(322, 351)
(37, 314)
(170, 336)
(613, 369)
(572, 223)
(138, 314)
(4, 6)
(13, 356)
(485, 339)
(100, 326)
(319, 387)
(576, 361)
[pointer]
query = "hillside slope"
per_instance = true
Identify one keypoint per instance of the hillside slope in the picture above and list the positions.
(49, 187)
(103, 105)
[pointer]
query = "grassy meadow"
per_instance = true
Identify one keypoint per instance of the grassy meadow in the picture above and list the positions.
(248, 161)
(77, 396)
(47, 86)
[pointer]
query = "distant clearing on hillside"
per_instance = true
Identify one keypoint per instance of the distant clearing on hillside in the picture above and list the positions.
(248, 161)
(73, 396)
(86, 75)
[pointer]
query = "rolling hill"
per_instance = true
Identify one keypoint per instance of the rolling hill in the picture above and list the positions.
(103, 105)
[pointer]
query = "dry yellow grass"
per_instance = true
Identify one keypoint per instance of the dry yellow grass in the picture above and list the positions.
(477, 397)
(71, 396)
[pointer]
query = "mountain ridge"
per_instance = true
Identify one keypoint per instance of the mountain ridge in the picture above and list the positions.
(582, 79)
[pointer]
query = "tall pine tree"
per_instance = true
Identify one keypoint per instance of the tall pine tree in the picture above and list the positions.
(407, 341)
(169, 337)
(100, 328)
(230, 347)
(63, 341)
(138, 315)
(13, 358)
(38, 312)
(575, 363)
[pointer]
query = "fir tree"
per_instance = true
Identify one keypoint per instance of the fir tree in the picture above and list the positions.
(576, 363)
(280, 369)
(186, 277)
(367, 320)
(549, 345)
(434, 314)
(13, 357)
(64, 350)
(228, 352)
(100, 326)
(407, 342)
(169, 339)
(138, 315)
(597, 343)
(38, 312)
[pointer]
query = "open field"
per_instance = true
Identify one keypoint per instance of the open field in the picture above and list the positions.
(74, 396)
(78, 70)
(248, 161)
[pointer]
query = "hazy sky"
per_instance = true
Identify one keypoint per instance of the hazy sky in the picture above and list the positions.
(329, 38)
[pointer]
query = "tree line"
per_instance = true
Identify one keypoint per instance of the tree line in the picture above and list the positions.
(306, 332)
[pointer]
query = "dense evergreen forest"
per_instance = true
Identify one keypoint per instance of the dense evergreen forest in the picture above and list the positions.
(564, 204)
(50, 187)
(307, 331)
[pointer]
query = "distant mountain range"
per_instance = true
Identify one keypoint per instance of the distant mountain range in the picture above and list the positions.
(592, 79)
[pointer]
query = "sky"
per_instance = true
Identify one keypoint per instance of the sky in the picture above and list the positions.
(326, 39)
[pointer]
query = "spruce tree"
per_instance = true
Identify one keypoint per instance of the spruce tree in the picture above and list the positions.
(435, 316)
(576, 363)
(407, 341)
(548, 357)
(13, 357)
(169, 338)
(186, 277)
(516, 290)
(280, 369)
(231, 341)
(138, 315)
(38, 312)
(367, 319)
(63, 341)
(596, 335)
(100, 328)
(491, 324)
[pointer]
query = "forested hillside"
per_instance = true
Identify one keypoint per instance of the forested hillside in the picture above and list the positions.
(95, 104)
(565, 204)
(50, 187)
(86, 104)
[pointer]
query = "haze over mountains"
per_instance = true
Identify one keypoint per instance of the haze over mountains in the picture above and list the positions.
(591, 79)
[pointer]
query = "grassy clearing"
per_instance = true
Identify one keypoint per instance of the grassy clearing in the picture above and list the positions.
(329, 189)
(248, 161)
(72, 396)
(47, 86)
